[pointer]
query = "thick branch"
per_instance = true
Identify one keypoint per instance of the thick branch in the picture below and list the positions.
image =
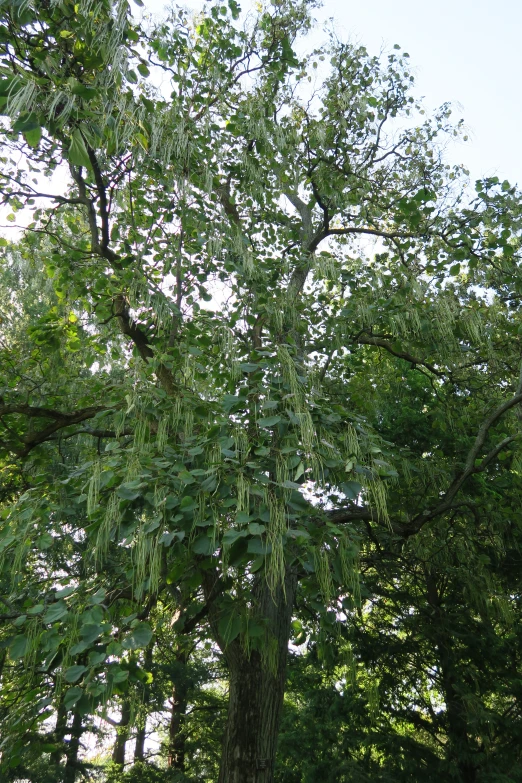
(470, 466)
(375, 232)
(408, 357)
(61, 420)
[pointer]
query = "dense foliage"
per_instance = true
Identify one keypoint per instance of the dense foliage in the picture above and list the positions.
(260, 378)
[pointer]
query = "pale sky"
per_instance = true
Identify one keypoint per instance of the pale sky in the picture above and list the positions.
(468, 52)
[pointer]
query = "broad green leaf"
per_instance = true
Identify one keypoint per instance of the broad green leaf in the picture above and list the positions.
(139, 637)
(72, 696)
(90, 632)
(271, 421)
(232, 535)
(257, 546)
(229, 627)
(73, 673)
(19, 646)
(33, 136)
(203, 545)
(78, 154)
(98, 597)
(55, 612)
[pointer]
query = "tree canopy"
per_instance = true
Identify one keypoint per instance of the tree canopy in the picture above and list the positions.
(260, 386)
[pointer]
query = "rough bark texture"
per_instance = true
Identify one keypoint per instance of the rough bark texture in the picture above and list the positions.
(176, 757)
(257, 689)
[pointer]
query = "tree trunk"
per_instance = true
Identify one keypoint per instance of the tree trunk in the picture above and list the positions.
(139, 748)
(257, 687)
(141, 732)
(71, 766)
(460, 750)
(176, 757)
(59, 733)
(122, 733)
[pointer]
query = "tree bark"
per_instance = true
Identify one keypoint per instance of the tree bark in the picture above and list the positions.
(257, 687)
(141, 731)
(176, 756)
(139, 748)
(122, 733)
(71, 765)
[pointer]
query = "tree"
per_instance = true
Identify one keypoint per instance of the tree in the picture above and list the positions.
(194, 420)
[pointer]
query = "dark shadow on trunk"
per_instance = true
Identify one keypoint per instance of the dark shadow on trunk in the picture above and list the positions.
(73, 750)
(177, 731)
(257, 687)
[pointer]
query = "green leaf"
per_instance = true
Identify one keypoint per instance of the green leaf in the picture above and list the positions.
(26, 123)
(98, 597)
(229, 627)
(257, 546)
(72, 697)
(73, 673)
(64, 592)
(19, 646)
(90, 632)
(271, 421)
(203, 545)
(290, 484)
(45, 541)
(232, 535)
(95, 658)
(38, 609)
(78, 154)
(351, 489)
(55, 612)
(33, 136)
(299, 472)
(119, 675)
(138, 638)
(127, 492)
(83, 90)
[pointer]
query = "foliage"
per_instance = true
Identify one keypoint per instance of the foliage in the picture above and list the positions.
(259, 376)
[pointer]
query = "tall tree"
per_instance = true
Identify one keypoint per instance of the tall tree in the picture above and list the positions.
(193, 412)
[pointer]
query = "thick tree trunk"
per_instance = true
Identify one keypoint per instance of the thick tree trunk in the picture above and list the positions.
(71, 766)
(176, 756)
(122, 734)
(59, 734)
(257, 687)
(139, 748)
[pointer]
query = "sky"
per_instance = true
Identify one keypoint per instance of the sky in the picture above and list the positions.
(467, 52)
